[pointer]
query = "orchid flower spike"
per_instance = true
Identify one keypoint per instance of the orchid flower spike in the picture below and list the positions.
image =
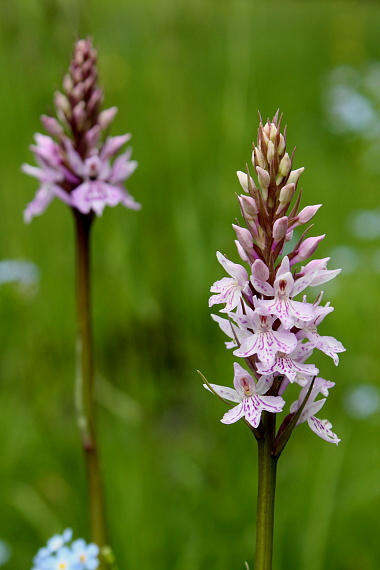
(270, 325)
(76, 162)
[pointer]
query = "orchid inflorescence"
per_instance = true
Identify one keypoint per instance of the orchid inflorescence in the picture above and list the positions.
(76, 163)
(272, 332)
(59, 554)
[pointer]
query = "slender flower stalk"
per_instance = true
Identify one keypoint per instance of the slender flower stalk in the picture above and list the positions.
(271, 331)
(267, 466)
(79, 164)
(85, 381)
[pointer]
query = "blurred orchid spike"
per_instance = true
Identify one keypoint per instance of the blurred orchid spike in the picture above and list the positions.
(76, 163)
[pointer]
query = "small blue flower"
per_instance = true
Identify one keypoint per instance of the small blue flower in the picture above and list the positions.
(41, 559)
(58, 540)
(58, 554)
(86, 555)
(62, 560)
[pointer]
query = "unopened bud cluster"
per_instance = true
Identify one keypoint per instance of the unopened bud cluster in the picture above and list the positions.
(267, 211)
(273, 333)
(76, 163)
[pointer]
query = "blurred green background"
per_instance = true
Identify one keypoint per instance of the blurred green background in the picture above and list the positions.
(188, 78)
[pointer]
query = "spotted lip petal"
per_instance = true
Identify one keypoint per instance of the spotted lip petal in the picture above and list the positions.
(266, 345)
(233, 415)
(288, 367)
(323, 429)
(262, 286)
(95, 195)
(250, 404)
(288, 311)
(327, 344)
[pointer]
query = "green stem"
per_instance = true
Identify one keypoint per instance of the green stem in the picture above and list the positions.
(84, 389)
(266, 494)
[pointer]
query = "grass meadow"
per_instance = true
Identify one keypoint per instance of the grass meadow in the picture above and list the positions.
(189, 79)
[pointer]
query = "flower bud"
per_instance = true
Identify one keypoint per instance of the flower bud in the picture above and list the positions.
(241, 251)
(307, 213)
(106, 117)
(266, 128)
(77, 92)
(289, 235)
(258, 158)
(304, 216)
(88, 67)
(285, 197)
(260, 270)
(67, 83)
(285, 165)
(270, 152)
(249, 207)
(89, 84)
(77, 75)
(281, 146)
(52, 126)
(92, 136)
(294, 175)
(307, 248)
(280, 228)
(273, 132)
(61, 103)
(287, 193)
(264, 178)
(95, 100)
(81, 51)
(243, 179)
(244, 237)
(79, 114)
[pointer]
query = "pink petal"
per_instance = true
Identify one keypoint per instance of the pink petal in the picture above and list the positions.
(311, 408)
(260, 270)
(262, 286)
(250, 345)
(113, 145)
(233, 415)
(122, 168)
(39, 204)
(94, 195)
(322, 429)
(241, 377)
(225, 392)
(252, 408)
(234, 269)
(286, 341)
(284, 267)
(301, 283)
(272, 404)
(75, 161)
